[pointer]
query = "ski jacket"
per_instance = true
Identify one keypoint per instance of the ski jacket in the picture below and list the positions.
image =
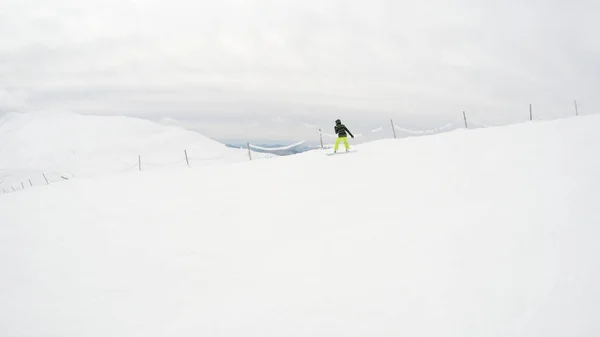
(341, 129)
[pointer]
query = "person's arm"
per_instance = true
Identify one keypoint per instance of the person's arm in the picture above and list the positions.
(350, 133)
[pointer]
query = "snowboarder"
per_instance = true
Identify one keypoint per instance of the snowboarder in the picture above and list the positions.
(340, 129)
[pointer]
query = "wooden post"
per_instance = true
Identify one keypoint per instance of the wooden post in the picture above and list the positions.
(186, 158)
(47, 183)
(530, 113)
(393, 129)
(576, 110)
(30, 182)
(139, 162)
(22, 185)
(3, 190)
(249, 152)
(321, 137)
(13, 188)
(465, 117)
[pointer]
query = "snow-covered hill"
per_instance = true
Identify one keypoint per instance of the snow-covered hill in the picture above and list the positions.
(70, 145)
(489, 232)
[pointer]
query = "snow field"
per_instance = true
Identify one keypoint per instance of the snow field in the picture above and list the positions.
(489, 232)
(63, 144)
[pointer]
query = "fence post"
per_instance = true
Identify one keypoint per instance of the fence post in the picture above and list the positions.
(22, 185)
(576, 110)
(393, 129)
(186, 158)
(530, 113)
(249, 153)
(139, 162)
(465, 117)
(47, 183)
(13, 188)
(3, 190)
(30, 182)
(321, 137)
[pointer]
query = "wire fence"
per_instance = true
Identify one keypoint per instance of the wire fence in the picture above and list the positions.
(15, 180)
(20, 180)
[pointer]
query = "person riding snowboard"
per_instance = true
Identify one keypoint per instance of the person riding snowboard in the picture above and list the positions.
(340, 129)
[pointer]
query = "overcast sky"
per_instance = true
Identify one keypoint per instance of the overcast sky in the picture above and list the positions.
(275, 69)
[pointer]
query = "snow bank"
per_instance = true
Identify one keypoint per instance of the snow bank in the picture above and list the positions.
(491, 232)
(63, 144)
(11, 102)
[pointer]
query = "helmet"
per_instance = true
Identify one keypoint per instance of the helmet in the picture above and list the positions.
(337, 121)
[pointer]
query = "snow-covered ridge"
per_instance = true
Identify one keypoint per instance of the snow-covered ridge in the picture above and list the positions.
(64, 144)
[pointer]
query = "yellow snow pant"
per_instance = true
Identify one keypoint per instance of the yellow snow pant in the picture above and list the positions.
(337, 143)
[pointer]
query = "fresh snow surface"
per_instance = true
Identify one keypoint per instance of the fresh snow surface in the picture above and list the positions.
(492, 232)
(64, 144)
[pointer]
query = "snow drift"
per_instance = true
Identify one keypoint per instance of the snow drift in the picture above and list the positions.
(63, 144)
(491, 232)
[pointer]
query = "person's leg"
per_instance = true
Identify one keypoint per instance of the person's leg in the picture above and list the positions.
(346, 143)
(337, 144)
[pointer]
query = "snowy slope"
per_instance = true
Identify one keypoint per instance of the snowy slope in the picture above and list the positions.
(71, 145)
(490, 232)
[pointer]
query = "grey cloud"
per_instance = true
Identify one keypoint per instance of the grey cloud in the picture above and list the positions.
(312, 60)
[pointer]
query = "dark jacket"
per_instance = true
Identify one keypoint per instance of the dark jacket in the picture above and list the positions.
(340, 129)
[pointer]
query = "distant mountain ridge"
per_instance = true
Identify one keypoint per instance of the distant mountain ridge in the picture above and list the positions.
(276, 151)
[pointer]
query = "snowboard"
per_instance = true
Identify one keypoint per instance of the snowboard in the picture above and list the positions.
(340, 152)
